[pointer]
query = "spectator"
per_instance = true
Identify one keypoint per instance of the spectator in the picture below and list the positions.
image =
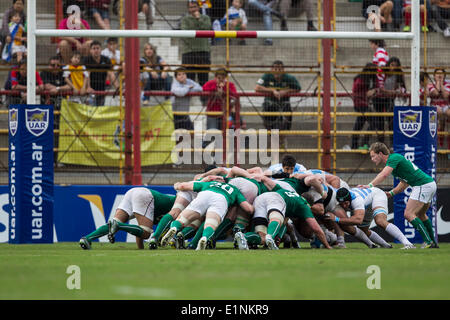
(16, 40)
(439, 91)
(54, 82)
(380, 59)
(385, 12)
(19, 82)
(279, 85)
(407, 14)
(17, 6)
(305, 5)
(237, 19)
(393, 86)
(364, 88)
(79, 3)
(99, 68)
(217, 99)
(196, 51)
(67, 45)
(76, 77)
(440, 11)
(424, 94)
(154, 71)
(112, 52)
(99, 11)
(146, 8)
(181, 86)
(267, 12)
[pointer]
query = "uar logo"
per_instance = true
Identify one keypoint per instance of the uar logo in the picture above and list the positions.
(410, 122)
(36, 121)
(433, 122)
(13, 120)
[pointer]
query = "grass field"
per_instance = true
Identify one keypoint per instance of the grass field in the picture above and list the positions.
(120, 271)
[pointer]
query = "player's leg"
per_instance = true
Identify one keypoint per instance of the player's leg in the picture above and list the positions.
(188, 232)
(374, 237)
(181, 201)
(360, 235)
(380, 217)
(145, 223)
(86, 241)
(212, 221)
(184, 219)
(413, 208)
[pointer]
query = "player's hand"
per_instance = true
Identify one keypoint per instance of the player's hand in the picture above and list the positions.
(388, 195)
(176, 186)
(329, 216)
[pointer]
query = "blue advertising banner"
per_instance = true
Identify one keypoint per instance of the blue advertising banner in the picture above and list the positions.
(415, 137)
(30, 161)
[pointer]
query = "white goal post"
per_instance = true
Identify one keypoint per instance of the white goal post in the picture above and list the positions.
(414, 35)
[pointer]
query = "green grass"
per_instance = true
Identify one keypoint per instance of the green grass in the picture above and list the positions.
(120, 271)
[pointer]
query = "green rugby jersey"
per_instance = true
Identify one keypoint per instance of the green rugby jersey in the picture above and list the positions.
(231, 193)
(163, 202)
(407, 171)
(296, 205)
(298, 184)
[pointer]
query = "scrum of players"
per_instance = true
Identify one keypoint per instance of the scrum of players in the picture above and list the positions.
(261, 208)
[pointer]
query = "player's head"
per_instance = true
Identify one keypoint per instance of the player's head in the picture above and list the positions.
(344, 198)
(288, 163)
(378, 152)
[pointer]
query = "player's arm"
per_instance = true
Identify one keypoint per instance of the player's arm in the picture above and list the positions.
(356, 219)
(386, 172)
(140, 243)
(213, 178)
(184, 186)
(333, 180)
(312, 222)
(402, 185)
(315, 181)
(212, 172)
(238, 172)
(247, 207)
(269, 183)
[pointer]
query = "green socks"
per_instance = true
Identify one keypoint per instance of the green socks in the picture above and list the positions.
(188, 232)
(208, 232)
(273, 228)
(100, 232)
(222, 228)
(194, 242)
(253, 238)
(429, 227)
(419, 226)
(130, 228)
(162, 225)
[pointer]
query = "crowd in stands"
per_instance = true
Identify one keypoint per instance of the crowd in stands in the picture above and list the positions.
(81, 67)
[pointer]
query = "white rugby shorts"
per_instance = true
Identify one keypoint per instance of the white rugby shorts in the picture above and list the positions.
(138, 200)
(209, 201)
(424, 193)
(266, 202)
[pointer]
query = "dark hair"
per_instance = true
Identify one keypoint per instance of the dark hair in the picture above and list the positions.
(277, 63)
(368, 75)
(288, 161)
(54, 58)
(343, 195)
(76, 53)
(112, 39)
(399, 78)
(178, 70)
(439, 69)
(14, 1)
(378, 42)
(95, 43)
(220, 71)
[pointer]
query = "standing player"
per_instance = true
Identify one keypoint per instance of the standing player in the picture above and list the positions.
(141, 203)
(423, 188)
(212, 201)
(367, 205)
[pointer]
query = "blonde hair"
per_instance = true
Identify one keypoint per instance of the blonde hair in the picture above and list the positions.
(378, 147)
(153, 60)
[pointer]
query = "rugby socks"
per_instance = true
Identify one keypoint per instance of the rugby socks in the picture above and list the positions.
(396, 233)
(177, 224)
(162, 225)
(375, 237)
(131, 228)
(241, 223)
(361, 236)
(194, 242)
(100, 232)
(273, 228)
(253, 238)
(430, 230)
(222, 228)
(282, 231)
(208, 232)
(419, 226)
(188, 232)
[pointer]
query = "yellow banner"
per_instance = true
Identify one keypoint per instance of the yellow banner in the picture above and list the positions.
(90, 135)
